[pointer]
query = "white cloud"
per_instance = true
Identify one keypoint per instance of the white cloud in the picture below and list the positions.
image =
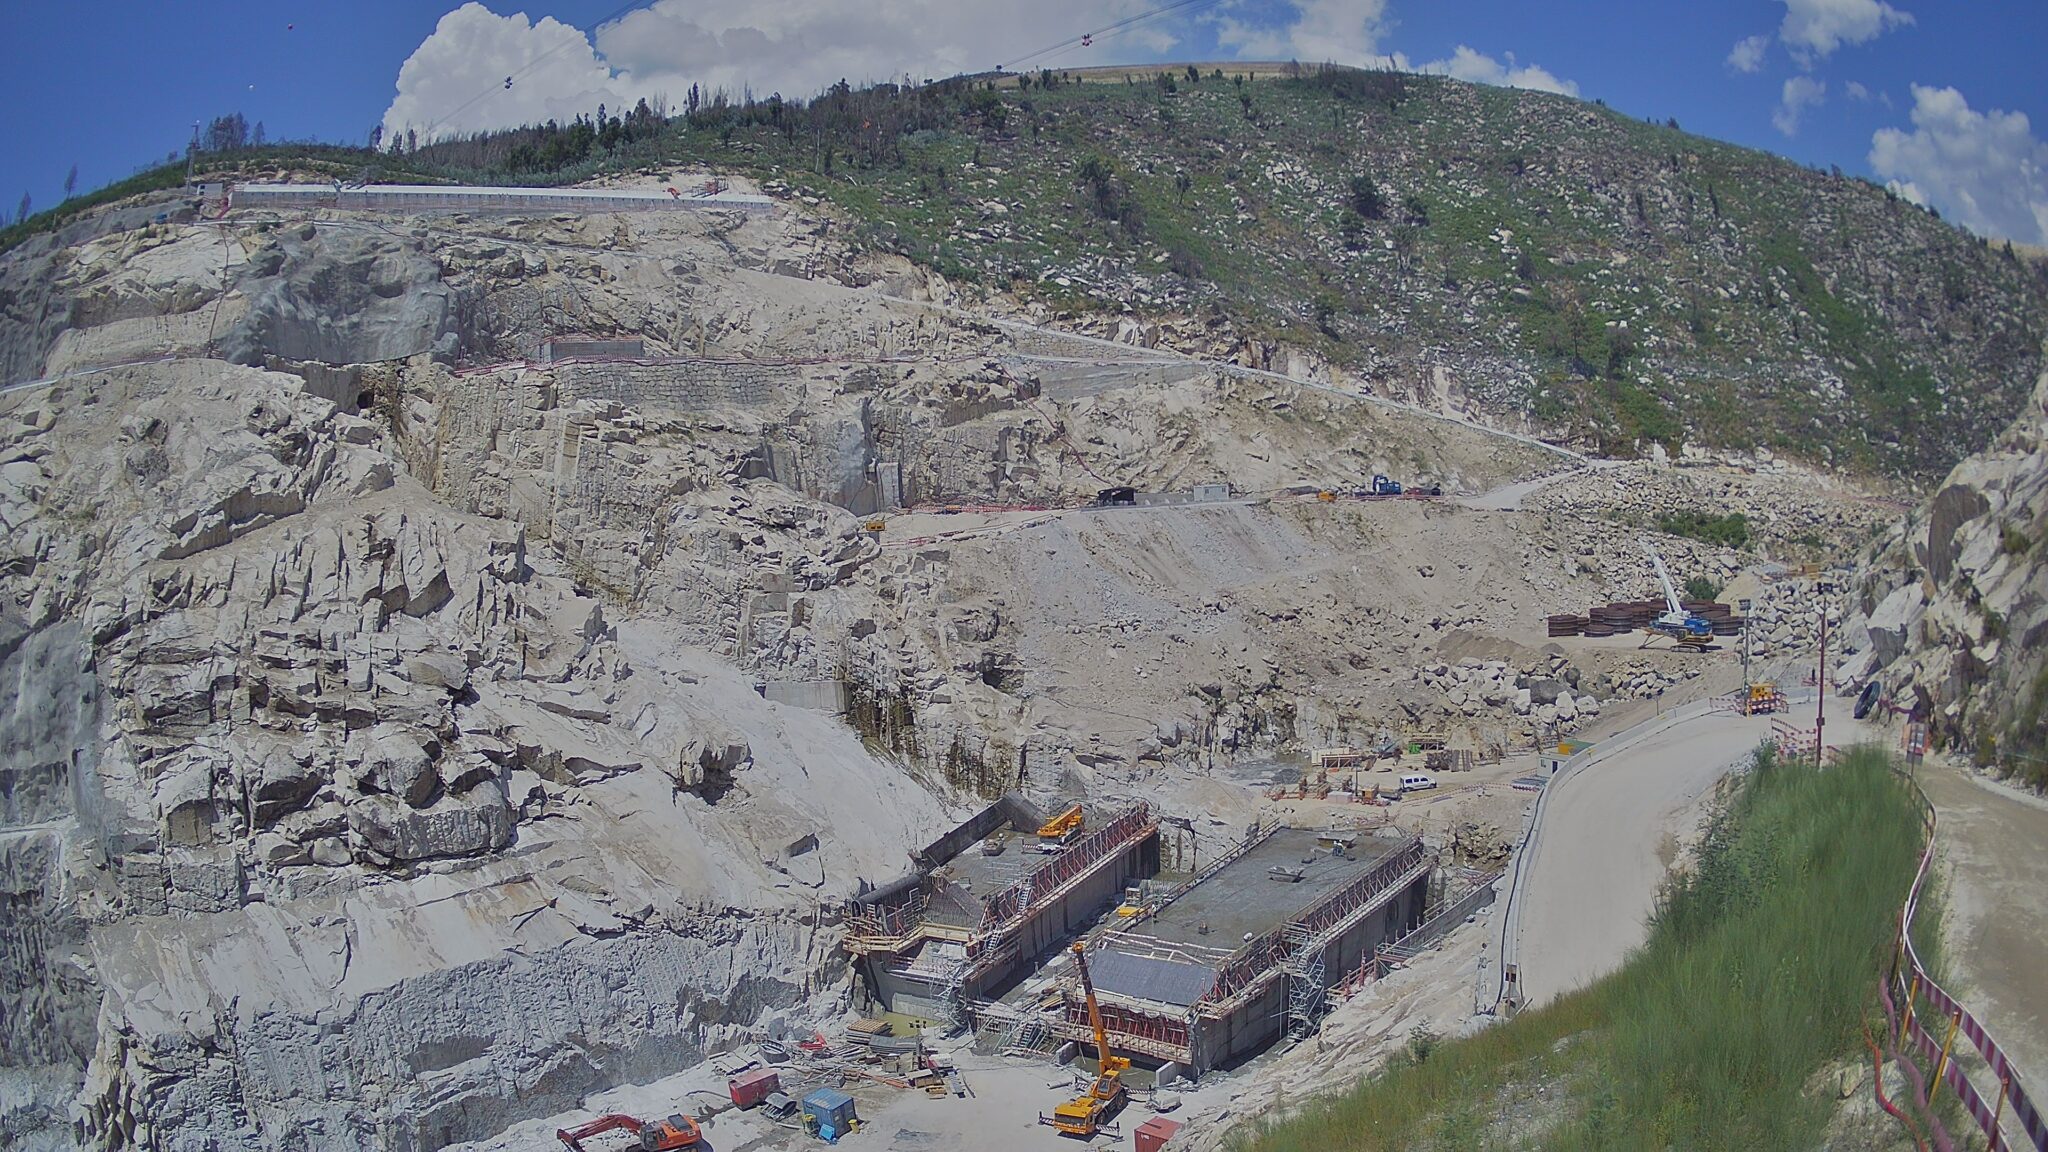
(1985, 170)
(1799, 94)
(796, 47)
(1478, 67)
(1748, 53)
(473, 50)
(1314, 31)
(1815, 28)
(1856, 91)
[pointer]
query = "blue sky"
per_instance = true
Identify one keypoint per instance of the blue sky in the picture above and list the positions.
(1898, 89)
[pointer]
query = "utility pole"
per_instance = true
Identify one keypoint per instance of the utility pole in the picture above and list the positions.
(1820, 698)
(1742, 606)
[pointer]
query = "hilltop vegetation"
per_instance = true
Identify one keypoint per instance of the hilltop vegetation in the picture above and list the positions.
(1601, 279)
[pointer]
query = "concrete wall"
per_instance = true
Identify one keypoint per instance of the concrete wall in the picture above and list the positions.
(683, 386)
(1257, 1023)
(821, 695)
(1084, 905)
(553, 350)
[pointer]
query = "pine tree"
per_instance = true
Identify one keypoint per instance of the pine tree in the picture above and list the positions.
(21, 213)
(71, 182)
(256, 137)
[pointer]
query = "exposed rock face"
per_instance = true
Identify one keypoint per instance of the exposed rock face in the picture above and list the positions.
(341, 296)
(1956, 604)
(268, 703)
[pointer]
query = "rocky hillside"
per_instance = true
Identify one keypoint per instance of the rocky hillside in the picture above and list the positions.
(403, 735)
(1956, 603)
(1542, 262)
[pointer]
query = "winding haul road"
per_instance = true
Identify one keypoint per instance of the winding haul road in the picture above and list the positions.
(1608, 834)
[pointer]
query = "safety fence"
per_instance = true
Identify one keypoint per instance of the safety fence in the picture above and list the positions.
(1909, 979)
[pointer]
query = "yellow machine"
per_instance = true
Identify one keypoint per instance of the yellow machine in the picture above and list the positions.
(1087, 1115)
(1061, 826)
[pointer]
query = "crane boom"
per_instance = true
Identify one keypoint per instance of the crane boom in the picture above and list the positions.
(1094, 1010)
(1671, 600)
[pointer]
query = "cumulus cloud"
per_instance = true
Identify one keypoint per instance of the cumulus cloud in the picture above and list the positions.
(1985, 170)
(473, 50)
(1799, 94)
(1478, 67)
(795, 47)
(1332, 31)
(1856, 91)
(1815, 28)
(1748, 53)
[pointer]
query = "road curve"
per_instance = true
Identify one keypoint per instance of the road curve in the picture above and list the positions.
(1604, 845)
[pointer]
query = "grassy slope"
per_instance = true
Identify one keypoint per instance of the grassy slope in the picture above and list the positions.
(1758, 972)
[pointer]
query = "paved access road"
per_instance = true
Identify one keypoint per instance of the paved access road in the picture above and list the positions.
(1609, 831)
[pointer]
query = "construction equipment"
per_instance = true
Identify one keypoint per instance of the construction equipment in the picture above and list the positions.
(677, 1131)
(1688, 629)
(1088, 1115)
(1063, 825)
(1383, 486)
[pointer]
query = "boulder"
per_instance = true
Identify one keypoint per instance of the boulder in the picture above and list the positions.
(398, 763)
(1891, 624)
(281, 784)
(455, 826)
(447, 670)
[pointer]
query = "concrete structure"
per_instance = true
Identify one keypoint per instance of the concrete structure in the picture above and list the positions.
(463, 198)
(1247, 951)
(558, 348)
(964, 923)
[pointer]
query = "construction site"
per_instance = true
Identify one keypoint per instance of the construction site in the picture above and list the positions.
(977, 909)
(801, 707)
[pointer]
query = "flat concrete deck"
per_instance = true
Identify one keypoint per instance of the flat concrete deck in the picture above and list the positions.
(1242, 899)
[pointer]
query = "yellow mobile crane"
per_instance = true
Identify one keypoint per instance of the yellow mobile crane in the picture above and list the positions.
(1086, 1115)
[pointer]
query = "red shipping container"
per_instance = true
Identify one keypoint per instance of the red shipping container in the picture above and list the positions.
(751, 1087)
(1153, 1134)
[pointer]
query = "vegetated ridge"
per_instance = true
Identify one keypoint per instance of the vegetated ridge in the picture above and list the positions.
(1542, 261)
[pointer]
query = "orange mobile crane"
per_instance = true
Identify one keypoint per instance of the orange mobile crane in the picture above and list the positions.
(1088, 1114)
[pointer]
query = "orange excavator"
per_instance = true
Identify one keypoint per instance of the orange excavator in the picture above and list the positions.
(655, 1136)
(1089, 1114)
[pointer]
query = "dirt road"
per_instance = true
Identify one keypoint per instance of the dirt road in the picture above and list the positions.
(1995, 847)
(1609, 834)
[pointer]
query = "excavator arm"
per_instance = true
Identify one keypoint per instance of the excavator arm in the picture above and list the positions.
(573, 1138)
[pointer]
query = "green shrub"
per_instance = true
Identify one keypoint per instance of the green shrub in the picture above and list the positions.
(1727, 531)
(1701, 588)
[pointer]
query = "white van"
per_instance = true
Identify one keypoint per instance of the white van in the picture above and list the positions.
(1416, 782)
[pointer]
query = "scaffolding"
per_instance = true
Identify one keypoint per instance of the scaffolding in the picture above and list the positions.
(1305, 989)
